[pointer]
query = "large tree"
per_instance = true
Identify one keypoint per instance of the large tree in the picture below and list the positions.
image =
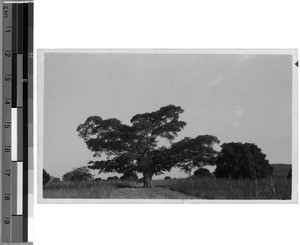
(133, 148)
(239, 161)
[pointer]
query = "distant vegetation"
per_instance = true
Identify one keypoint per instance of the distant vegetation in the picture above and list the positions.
(277, 187)
(78, 175)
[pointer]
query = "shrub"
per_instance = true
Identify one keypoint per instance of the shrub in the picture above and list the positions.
(46, 177)
(97, 179)
(242, 161)
(112, 178)
(203, 173)
(167, 177)
(54, 179)
(78, 174)
(130, 177)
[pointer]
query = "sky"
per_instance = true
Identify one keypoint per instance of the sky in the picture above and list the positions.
(238, 98)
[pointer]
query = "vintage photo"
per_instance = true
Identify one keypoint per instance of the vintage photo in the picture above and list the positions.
(167, 125)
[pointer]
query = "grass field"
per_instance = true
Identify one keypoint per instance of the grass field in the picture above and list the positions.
(276, 188)
(90, 189)
(109, 189)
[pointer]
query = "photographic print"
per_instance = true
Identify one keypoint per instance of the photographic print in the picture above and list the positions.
(165, 126)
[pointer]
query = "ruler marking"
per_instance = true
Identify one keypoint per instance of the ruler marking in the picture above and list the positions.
(6, 114)
(14, 80)
(17, 76)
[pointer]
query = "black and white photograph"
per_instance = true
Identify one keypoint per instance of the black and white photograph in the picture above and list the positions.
(167, 125)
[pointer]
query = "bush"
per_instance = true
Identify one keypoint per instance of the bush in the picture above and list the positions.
(242, 161)
(78, 174)
(130, 177)
(97, 179)
(46, 177)
(167, 177)
(54, 179)
(203, 173)
(112, 178)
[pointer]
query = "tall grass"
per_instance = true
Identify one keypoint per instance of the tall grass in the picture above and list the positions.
(99, 189)
(203, 188)
(211, 188)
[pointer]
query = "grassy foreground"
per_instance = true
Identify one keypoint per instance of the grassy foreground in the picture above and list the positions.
(207, 188)
(276, 188)
(90, 189)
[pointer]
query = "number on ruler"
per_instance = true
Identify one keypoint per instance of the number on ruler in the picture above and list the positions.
(7, 78)
(6, 221)
(7, 125)
(7, 197)
(7, 172)
(7, 101)
(7, 54)
(7, 149)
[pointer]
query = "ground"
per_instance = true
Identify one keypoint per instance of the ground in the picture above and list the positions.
(148, 193)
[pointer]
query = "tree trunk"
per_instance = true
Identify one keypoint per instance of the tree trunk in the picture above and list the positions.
(147, 180)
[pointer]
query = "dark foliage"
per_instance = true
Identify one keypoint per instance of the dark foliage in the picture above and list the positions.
(130, 177)
(97, 179)
(289, 176)
(167, 177)
(203, 173)
(242, 161)
(112, 178)
(78, 174)
(46, 177)
(191, 153)
(54, 179)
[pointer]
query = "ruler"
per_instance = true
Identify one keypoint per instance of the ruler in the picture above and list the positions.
(17, 121)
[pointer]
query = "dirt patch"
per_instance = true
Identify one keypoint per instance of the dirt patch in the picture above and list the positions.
(148, 193)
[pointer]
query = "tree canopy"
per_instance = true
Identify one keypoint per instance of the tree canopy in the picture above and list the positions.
(132, 148)
(194, 153)
(238, 160)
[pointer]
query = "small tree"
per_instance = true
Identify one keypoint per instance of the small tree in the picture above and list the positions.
(239, 161)
(46, 177)
(78, 174)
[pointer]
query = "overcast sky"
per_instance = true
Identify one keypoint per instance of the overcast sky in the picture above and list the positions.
(238, 98)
